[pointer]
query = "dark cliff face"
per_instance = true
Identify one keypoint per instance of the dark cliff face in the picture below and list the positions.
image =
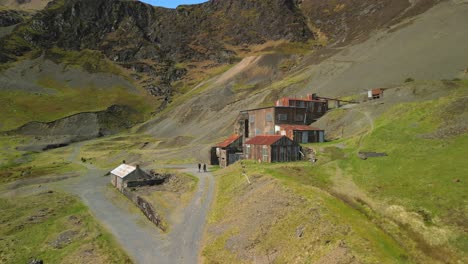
(11, 17)
(129, 30)
(151, 40)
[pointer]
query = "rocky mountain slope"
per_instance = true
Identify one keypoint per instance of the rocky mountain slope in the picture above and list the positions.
(30, 5)
(162, 46)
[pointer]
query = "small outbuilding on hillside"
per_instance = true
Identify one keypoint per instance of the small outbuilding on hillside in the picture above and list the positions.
(131, 176)
(227, 152)
(272, 148)
(302, 134)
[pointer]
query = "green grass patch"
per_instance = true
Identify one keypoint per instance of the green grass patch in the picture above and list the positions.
(20, 107)
(20, 165)
(89, 60)
(327, 220)
(419, 172)
(30, 227)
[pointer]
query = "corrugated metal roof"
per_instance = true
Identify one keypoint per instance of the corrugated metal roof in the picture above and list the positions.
(276, 106)
(377, 91)
(228, 141)
(300, 128)
(123, 170)
(302, 99)
(264, 140)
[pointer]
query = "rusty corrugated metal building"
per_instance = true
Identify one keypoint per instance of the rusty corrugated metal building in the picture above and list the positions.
(264, 121)
(227, 152)
(375, 93)
(272, 148)
(315, 108)
(303, 134)
(278, 120)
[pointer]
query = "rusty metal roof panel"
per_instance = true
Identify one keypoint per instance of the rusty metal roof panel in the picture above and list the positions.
(228, 141)
(377, 91)
(123, 170)
(264, 140)
(303, 99)
(299, 128)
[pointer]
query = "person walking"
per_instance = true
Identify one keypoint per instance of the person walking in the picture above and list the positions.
(199, 167)
(204, 167)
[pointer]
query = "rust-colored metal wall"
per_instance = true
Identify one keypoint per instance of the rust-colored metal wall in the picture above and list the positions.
(261, 122)
(283, 150)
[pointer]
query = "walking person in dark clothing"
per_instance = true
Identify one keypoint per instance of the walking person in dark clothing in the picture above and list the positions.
(199, 167)
(204, 167)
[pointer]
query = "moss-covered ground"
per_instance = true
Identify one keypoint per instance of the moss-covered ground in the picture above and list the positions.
(409, 206)
(55, 228)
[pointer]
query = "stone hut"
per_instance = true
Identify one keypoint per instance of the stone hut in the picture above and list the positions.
(125, 174)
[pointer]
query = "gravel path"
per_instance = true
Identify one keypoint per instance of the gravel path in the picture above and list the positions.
(140, 239)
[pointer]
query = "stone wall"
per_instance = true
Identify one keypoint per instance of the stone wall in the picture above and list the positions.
(146, 208)
(132, 184)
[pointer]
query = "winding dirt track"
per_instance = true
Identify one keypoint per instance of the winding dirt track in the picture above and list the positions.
(142, 241)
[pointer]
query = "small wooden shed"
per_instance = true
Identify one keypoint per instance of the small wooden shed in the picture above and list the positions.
(229, 151)
(272, 148)
(302, 134)
(123, 174)
(375, 93)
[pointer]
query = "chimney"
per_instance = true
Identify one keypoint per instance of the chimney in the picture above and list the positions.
(123, 161)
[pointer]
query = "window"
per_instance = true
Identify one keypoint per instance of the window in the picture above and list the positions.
(251, 118)
(269, 117)
(247, 151)
(265, 154)
(282, 117)
(258, 132)
(299, 117)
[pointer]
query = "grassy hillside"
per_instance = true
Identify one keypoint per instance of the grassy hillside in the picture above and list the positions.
(55, 228)
(283, 217)
(62, 83)
(409, 206)
(19, 165)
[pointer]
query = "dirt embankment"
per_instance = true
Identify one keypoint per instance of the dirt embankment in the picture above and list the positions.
(79, 127)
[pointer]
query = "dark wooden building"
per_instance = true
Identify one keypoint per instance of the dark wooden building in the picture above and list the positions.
(315, 107)
(227, 152)
(272, 148)
(266, 121)
(302, 134)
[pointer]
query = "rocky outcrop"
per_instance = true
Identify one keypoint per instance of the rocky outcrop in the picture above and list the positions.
(79, 127)
(11, 17)
(156, 43)
(25, 4)
(130, 30)
(153, 40)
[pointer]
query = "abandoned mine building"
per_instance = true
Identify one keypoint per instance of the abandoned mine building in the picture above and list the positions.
(375, 93)
(275, 120)
(131, 176)
(273, 134)
(227, 152)
(272, 148)
(315, 107)
(302, 134)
